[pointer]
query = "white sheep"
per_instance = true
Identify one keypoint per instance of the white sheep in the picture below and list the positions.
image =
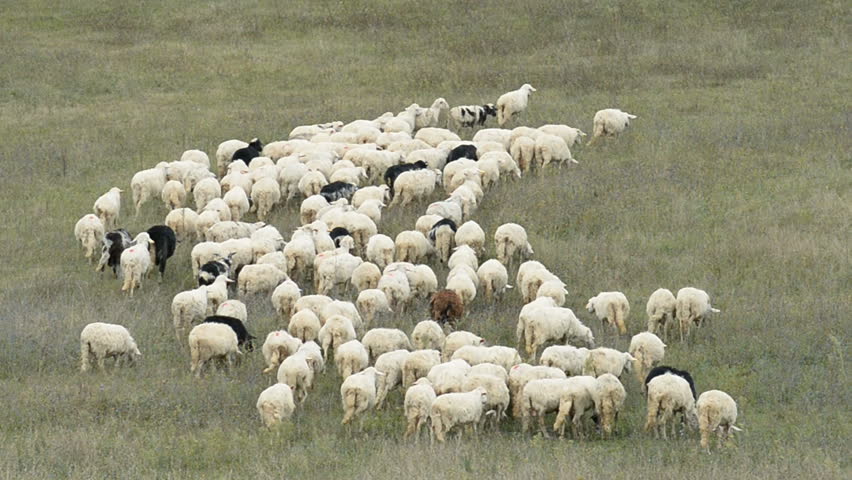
(314, 303)
(607, 360)
(208, 341)
(334, 268)
(462, 284)
(571, 135)
(448, 376)
(471, 235)
(494, 164)
(523, 373)
(354, 175)
(505, 357)
(453, 409)
(189, 307)
(148, 184)
(648, 350)
(230, 230)
(382, 340)
(300, 253)
(336, 331)
(491, 369)
(265, 194)
(89, 231)
(311, 183)
(497, 393)
(347, 309)
(358, 393)
(427, 335)
(237, 201)
(693, 306)
(443, 236)
(414, 185)
(463, 255)
(196, 156)
(661, 309)
(431, 117)
(217, 292)
(554, 289)
(298, 371)
(173, 194)
(540, 397)
(234, 309)
(418, 405)
(577, 400)
(552, 149)
(219, 206)
(609, 398)
(366, 276)
(523, 153)
(531, 274)
(412, 246)
(493, 278)
(259, 279)
(278, 345)
(450, 209)
(204, 191)
(379, 193)
(225, 152)
(418, 364)
(457, 340)
(526, 312)
(275, 404)
(389, 363)
(552, 324)
(717, 412)
(351, 357)
(610, 122)
(107, 207)
(372, 209)
(668, 395)
(513, 103)
(135, 262)
(567, 358)
(304, 325)
(611, 308)
(184, 222)
(98, 341)
(510, 241)
(289, 178)
(370, 303)
(310, 207)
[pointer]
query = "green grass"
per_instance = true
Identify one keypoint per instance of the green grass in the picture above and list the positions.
(735, 178)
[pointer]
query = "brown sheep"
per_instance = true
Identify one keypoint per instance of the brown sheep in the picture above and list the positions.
(447, 307)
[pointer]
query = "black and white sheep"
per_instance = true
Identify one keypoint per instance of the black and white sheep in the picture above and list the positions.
(471, 115)
(337, 190)
(114, 243)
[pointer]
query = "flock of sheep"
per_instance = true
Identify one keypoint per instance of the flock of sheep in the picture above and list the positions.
(346, 174)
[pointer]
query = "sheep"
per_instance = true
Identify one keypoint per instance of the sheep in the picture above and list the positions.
(495, 135)
(434, 136)
(414, 185)
(453, 409)
(335, 190)
(463, 255)
(382, 340)
(311, 183)
(576, 399)
(351, 357)
(372, 209)
(391, 364)
(336, 331)
(648, 350)
(308, 131)
(209, 271)
(552, 149)
(567, 358)
(611, 308)
(217, 292)
(427, 334)
(456, 340)
(442, 235)
(693, 305)
(523, 373)
(547, 324)
(314, 303)
(494, 164)
(244, 338)
(607, 360)
(571, 135)
(165, 242)
(418, 364)
(510, 241)
(310, 207)
(207, 219)
(717, 412)
(300, 253)
(540, 397)
(506, 357)
(187, 308)
(448, 376)
(610, 122)
(609, 398)
(249, 152)
(493, 278)
(275, 404)
(148, 184)
(490, 369)
(298, 371)
(101, 340)
(366, 276)
(265, 194)
(370, 303)
(470, 115)
(412, 246)
(554, 289)
(404, 122)
(380, 193)
(512, 103)
(196, 156)
(431, 117)
(108, 206)
(114, 243)
(304, 325)
(661, 309)
(278, 345)
(277, 259)
(526, 312)
(358, 393)
(89, 231)
(313, 353)
(224, 153)
(446, 307)
(173, 194)
(668, 395)
(450, 208)
(135, 262)
(662, 370)
(233, 308)
(259, 279)
(334, 268)
(237, 201)
(219, 206)
(523, 153)
(418, 405)
(376, 163)
(184, 222)
(394, 171)
(347, 309)
(208, 341)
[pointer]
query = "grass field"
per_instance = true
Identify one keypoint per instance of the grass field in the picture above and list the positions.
(735, 179)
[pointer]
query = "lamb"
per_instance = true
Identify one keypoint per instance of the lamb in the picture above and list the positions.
(358, 393)
(89, 231)
(717, 412)
(224, 153)
(275, 404)
(662, 370)
(148, 184)
(173, 194)
(351, 357)
(470, 115)
(418, 405)
(382, 340)
(184, 222)
(165, 242)
(108, 206)
(418, 364)
(609, 398)
(187, 308)
(661, 309)
(552, 149)
(611, 308)
(114, 243)
(448, 376)
(693, 305)
(298, 371)
(540, 397)
(434, 136)
(412, 246)
(427, 334)
(208, 341)
(265, 194)
(414, 185)
(244, 338)
(510, 241)
(610, 122)
(472, 235)
(546, 324)
(336, 331)
(98, 341)
(506, 357)
(453, 409)
(457, 340)
(370, 303)
(135, 262)
(430, 117)
(577, 399)
(446, 307)
(259, 279)
(567, 358)
(512, 103)
(304, 325)
(607, 360)
(668, 395)
(442, 234)
(366, 276)
(648, 350)
(571, 135)
(494, 279)
(389, 363)
(278, 345)
(523, 373)
(523, 153)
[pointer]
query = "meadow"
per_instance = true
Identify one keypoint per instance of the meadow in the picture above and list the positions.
(735, 178)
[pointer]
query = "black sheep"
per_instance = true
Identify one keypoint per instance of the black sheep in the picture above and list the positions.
(244, 338)
(463, 151)
(114, 243)
(662, 369)
(164, 245)
(249, 153)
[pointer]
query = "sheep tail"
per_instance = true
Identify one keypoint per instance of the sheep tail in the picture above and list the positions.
(85, 351)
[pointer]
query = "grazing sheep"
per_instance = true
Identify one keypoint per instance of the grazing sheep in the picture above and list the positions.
(205, 191)
(434, 137)
(382, 340)
(526, 312)
(244, 338)
(523, 373)
(234, 309)
(442, 235)
(426, 335)
(249, 152)
(446, 307)
(208, 341)
(208, 272)
(540, 397)
(567, 358)
(414, 185)
(453, 409)
(523, 153)
(284, 299)
(470, 115)
(300, 253)
(510, 241)
(512, 103)
(412, 246)
(457, 340)
(334, 191)
(554, 289)
(668, 395)
(108, 206)
(347, 309)
(607, 360)
(418, 405)
(462, 284)
(552, 324)
(506, 357)
(472, 235)
(463, 255)
(304, 325)
(366, 276)
(189, 307)
(418, 364)
(358, 393)
(610, 122)
(661, 308)
(89, 231)
(237, 201)
(148, 184)
(314, 303)
(224, 153)
(717, 412)
(165, 242)
(380, 193)
(220, 207)
(390, 364)
(275, 404)
(173, 194)
(336, 331)
(448, 376)
(370, 303)
(217, 292)
(693, 306)
(648, 350)
(552, 149)
(135, 262)
(352, 176)
(609, 399)
(493, 278)
(571, 135)
(576, 400)
(259, 279)
(312, 183)
(450, 208)
(278, 345)
(298, 371)
(184, 222)
(265, 194)
(114, 243)
(351, 357)
(101, 340)
(196, 156)
(611, 308)
(662, 370)
(491, 369)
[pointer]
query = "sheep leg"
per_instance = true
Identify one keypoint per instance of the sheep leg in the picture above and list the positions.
(541, 426)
